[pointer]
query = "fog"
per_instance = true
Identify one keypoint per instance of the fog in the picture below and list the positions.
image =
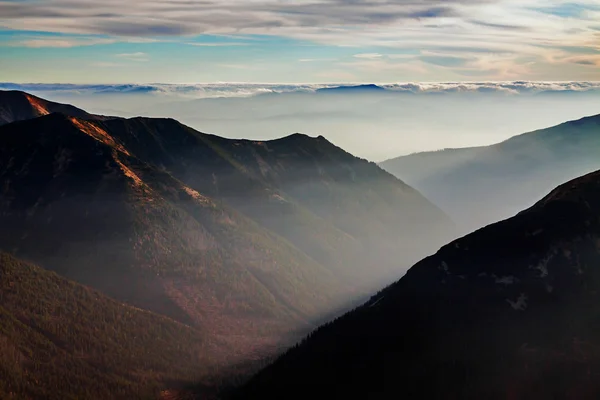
(376, 123)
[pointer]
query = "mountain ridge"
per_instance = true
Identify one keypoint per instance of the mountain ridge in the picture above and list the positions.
(16, 105)
(481, 185)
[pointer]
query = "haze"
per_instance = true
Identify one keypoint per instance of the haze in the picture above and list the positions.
(376, 123)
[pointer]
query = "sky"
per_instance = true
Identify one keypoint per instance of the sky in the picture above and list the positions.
(286, 41)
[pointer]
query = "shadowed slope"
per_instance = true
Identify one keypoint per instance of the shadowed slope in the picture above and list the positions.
(509, 311)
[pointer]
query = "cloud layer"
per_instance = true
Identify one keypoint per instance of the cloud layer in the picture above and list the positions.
(247, 90)
(475, 39)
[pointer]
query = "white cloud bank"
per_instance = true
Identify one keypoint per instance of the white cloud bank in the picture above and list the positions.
(213, 90)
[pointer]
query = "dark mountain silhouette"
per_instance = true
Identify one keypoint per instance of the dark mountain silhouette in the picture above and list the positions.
(61, 340)
(18, 106)
(507, 312)
(478, 186)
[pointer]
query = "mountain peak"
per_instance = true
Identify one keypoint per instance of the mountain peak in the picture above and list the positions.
(353, 89)
(18, 106)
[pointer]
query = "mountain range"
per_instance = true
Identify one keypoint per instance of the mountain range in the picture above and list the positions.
(507, 312)
(481, 185)
(140, 258)
(248, 244)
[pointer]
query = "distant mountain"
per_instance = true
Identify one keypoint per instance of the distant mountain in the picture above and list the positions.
(352, 89)
(18, 106)
(481, 185)
(510, 311)
(60, 340)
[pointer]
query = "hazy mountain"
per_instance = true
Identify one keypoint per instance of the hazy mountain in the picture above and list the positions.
(342, 211)
(77, 202)
(18, 106)
(60, 340)
(509, 311)
(251, 243)
(481, 185)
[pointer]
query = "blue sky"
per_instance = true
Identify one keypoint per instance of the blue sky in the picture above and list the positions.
(188, 41)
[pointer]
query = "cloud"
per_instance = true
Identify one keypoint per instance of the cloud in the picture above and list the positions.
(590, 61)
(368, 56)
(530, 34)
(59, 42)
(139, 18)
(309, 60)
(225, 44)
(138, 56)
(522, 88)
(445, 61)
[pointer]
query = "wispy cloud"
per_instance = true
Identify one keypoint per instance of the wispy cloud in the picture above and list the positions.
(310, 60)
(138, 17)
(368, 56)
(499, 39)
(225, 44)
(62, 42)
(517, 88)
(137, 56)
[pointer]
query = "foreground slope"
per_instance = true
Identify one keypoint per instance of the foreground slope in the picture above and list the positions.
(76, 201)
(481, 185)
(509, 311)
(61, 340)
(18, 106)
